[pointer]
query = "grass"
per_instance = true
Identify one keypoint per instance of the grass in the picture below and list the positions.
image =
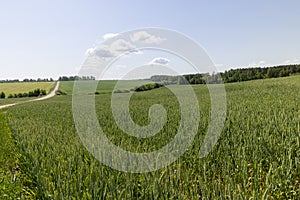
(257, 155)
(21, 87)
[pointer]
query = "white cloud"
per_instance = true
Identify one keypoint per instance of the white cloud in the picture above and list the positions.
(109, 35)
(103, 52)
(121, 46)
(290, 62)
(261, 63)
(89, 51)
(143, 36)
(160, 61)
(116, 48)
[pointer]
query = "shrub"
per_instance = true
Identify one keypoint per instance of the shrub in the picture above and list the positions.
(59, 92)
(149, 86)
(2, 95)
(30, 94)
(36, 92)
(121, 91)
(43, 92)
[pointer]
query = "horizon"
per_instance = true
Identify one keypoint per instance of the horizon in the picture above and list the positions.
(145, 78)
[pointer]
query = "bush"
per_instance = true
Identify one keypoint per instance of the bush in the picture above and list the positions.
(2, 95)
(149, 86)
(59, 92)
(35, 93)
(121, 91)
(30, 94)
(43, 92)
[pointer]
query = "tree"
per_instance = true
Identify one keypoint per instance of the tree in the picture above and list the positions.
(43, 92)
(2, 95)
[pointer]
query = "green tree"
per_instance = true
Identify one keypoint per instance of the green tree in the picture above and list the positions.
(2, 95)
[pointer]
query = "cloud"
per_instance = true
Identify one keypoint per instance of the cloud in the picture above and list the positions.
(89, 51)
(121, 46)
(103, 52)
(118, 46)
(159, 61)
(143, 36)
(290, 62)
(115, 49)
(109, 35)
(261, 63)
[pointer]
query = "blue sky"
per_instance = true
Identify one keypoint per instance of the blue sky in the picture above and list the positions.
(50, 38)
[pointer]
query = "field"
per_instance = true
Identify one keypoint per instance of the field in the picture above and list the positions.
(257, 155)
(15, 88)
(106, 86)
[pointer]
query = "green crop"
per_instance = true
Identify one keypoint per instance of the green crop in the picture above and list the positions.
(257, 155)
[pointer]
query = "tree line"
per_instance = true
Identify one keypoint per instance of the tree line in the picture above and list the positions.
(61, 78)
(76, 78)
(233, 75)
(27, 80)
(246, 74)
(35, 93)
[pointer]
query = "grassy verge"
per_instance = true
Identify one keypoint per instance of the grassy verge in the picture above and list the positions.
(14, 183)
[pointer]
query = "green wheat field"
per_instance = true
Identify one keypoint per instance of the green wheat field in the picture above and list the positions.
(256, 157)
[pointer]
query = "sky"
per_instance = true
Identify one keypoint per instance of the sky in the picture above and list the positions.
(50, 38)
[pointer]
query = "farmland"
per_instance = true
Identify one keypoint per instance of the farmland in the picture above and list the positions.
(22, 87)
(106, 86)
(257, 155)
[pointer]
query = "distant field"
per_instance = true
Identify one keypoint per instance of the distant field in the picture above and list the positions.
(106, 86)
(15, 88)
